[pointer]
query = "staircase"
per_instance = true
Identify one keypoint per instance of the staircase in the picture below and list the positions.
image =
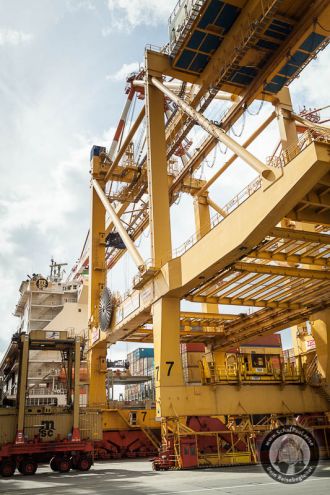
(314, 378)
(323, 392)
(151, 436)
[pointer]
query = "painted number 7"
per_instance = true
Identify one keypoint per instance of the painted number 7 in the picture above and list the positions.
(170, 365)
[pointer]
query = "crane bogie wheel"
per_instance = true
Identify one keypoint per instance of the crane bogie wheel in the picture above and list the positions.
(84, 463)
(7, 468)
(105, 309)
(28, 467)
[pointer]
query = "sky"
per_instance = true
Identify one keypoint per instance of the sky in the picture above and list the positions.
(62, 80)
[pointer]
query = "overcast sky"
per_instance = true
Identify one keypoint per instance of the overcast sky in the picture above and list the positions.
(63, 65)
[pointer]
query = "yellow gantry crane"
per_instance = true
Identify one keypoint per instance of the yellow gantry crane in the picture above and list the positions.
(267, 249)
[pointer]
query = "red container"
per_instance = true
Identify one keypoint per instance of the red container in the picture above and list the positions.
(273, 340)
(193, 347)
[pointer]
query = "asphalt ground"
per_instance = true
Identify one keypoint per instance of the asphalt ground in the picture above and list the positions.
(136, 477)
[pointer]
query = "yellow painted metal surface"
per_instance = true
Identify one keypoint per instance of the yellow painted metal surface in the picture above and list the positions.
(238, 256)
(123, 419)
(8, 424)
(97, 270)
(90, 424)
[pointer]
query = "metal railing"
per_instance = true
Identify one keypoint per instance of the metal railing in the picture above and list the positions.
(237, 373)
(46, 391)
(307, 138)
(234, 203)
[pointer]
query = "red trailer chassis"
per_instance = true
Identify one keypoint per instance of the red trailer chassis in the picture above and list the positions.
(62, 456)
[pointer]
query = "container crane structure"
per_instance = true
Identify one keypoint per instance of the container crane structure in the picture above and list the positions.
(267, 249)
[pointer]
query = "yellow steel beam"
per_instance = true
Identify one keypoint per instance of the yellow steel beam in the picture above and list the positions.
(243, 302)
(231, 160)
(282, 270)
(126, 174)
(222, 399)
(284, 257)
(300, 235)
(251, 329)
(159, 216)
(235, 288)
(207, 316)
(217, 208)
(137, 258)
(316, 200)
(280, 288)
(216, 283)
(310, 216)
(252, 321)
(257, 288)
(305, 286)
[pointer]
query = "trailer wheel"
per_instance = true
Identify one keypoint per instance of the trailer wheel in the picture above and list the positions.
(84, 463)
(54, 464)
(7, 468)
(28, 467)
(63, 464)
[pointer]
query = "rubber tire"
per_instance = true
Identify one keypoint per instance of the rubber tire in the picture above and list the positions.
(84, 463)
(54, 464)
(7, 468)
(63, 464)
(28, 467)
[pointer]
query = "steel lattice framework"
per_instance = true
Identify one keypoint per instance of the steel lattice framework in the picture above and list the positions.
(266, 251)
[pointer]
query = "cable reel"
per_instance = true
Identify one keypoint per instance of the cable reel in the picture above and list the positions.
(106, 307)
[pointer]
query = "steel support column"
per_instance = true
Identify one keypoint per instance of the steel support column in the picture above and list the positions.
(286, 123)
(160, 226)
(23, 366)
(168, 365)
(97, 346)
(321, 334)
(76, 391)
(203, 225)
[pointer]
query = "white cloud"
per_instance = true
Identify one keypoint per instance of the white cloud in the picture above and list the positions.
(124, 70)
(12, 37)
(312, 87)
(133, 13)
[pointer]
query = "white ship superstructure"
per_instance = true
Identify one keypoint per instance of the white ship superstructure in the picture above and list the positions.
(51, 304)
